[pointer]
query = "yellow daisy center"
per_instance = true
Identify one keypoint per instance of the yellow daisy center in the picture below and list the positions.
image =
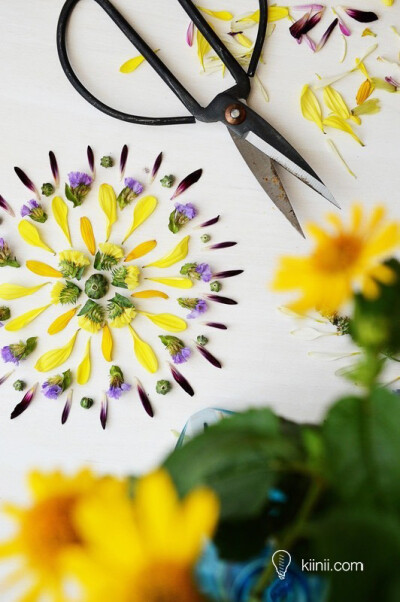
(338, 254)
(164, 582)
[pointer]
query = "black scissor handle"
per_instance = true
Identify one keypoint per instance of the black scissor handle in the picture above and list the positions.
(240, 90)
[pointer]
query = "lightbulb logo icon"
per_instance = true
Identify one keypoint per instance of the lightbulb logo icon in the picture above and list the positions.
(281, 561)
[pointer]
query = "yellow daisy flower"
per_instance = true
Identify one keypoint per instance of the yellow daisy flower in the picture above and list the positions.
(156, 540)
(47, 532)
(347, 258)
(65, 292)
(89, 325)
(72, 264)
(125, 317)
(132, 277)
(111, 250)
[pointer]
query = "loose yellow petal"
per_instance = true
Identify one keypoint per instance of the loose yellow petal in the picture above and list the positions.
(310, 107)
(369, 107)
(223, 15)
(107, 344)
(275, 13)
(108, 203)
(149, 294)
(167, 322)
(203, 47)
(88, 235)
(333, 121)
(140, 250)
(30, 234)
(15, 291)
(62, 321)
(368, 32)
(255, 17)
(60, 212)
(243, 40)
(177, 254)
(143, 209)
(85, 367)
(334, 101)
(175, 282)
(54, 358)
(42, 269)
(144, 353)
(132, 64)
(364, 92)
(25, 319)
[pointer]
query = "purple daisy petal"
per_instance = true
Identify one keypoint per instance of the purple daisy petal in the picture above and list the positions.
(6, 206)
(67, 408)
(104, 411)
(145, 399)
(190, 34)
(181, 380)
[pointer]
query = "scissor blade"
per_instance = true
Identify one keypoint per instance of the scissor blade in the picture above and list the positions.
(264, 170)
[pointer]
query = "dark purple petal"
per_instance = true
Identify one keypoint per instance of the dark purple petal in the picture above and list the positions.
(181, 380)
(343, 27)
(222, 245)
(227, 274)
(156, 167)
(209, 356)
(362, 16)
(90, 156)
(310, 42)
(218, 325)
(144, 399)
(24, 404)
(326, 35)
(6, 376)
(104, 411)
(4, 205)
(54, 168)
(297, 28)
(191, 179)
(220, 299)
(26, 181)
(67, 408)
(209, 222)
(190, 34)
(123, 160)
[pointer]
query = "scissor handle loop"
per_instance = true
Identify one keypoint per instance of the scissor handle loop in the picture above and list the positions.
(240, 90)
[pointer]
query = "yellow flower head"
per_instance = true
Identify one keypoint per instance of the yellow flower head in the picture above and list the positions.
(76, 257)
(89, 325)
(346, 258)
(124, 318)
(132, 277)
(107, 248)
(65, 292)
(156, 540)
(47, 531)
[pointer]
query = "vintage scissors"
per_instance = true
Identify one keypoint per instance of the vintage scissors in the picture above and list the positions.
(260, 145)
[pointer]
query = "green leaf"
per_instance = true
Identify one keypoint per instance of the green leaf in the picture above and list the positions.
(30, 346)
(89, 305)
(121, 300)
(239, 458)
(172, 225)
(67, 379)
(71, 197)
(363, 449)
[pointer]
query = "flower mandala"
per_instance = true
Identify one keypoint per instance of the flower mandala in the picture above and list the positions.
(104, 288)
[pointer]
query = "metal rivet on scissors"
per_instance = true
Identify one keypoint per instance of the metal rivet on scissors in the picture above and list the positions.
(260, 145)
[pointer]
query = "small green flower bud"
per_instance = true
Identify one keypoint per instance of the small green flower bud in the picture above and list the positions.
(48, 189)
(107, 161)
(19, 385)
(5, 313)
(202, 340)
(215, 286)
(87, 402)
(205, 238)
(168, 181)
(163, 387)
(96, 286)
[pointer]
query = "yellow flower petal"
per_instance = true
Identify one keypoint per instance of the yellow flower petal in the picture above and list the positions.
(54, 358)
(275, 13)
(167, 322)
(62, 321)
(368, 32)
(243, 40)
(333, 121)
(107, 344)
(85, 367)
(42, 269)
(178, 253)
(149, 294)
(88, 324)
(25, 319)
(60, 212)
(88, 235)
(30, 234)
(334, 101)
(175, 282)
(144, 353)
(310, 107)
(108, 203)
(369, 107)
(143, 209)
(15, 291)
(140, 250)
(132, 64)
(203, 47)
(223, 15)
(364, 91)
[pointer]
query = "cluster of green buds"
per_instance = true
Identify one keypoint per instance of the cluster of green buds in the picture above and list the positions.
(65, 293)
(163, 387)
(5, 313)
(107, 161)
(48, 189)
(168, 181)
(19, 385)
(6, 258)
(96, 286)
(121, 310)
(87, 402)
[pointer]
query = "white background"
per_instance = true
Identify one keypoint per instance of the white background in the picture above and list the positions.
(263, 362)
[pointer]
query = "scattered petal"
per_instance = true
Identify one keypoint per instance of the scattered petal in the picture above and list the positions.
(369, 107)
(142, 211)
(167, 322)
(310, 106)
(90, 156)
(6, 207)
(261, 86)
(203, 47)
(54, 168)
(25, 319)
(344, 52)
(209, 222)
(132, 64)
(361, 15)
(54, 358)
(156, 167)
(104, 411)
(191, 179)
(217, 325)
(62, 321)
(60, 212)
(85, 367)
(339, 155)
(174, 281)
(30, 234)
(107, 343)
(27, 181)
(310, 334)
(140, 250)
(209, 356)
(227, 274)
(123, 160)
(338, 123)
(181, 380)
(325, 37)
(24, 404)
(144, 353)
(144, 399)
(150, 294)
(222, 245)
(108, 203)
(15, 291)
(88, 235)
(220, 299)
(178, 253)
(190, 34)
(364, 91)
(67, 407)
(368, 32)
(223, 15)
(42, 269)
(335, 103)
(6, 376)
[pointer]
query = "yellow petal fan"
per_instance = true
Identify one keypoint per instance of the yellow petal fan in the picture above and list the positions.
(140, 250)
(42, 269)
(85, 367)
(144, 353)
(30, 234)
(62, 321)
(15, 291)
(167, 322)
(107, 343)
(54, 358)
(177, 254)
(143, 209)
(60, 212)
(175, 282)
(108, 203)
(25, 319)
(88, 235)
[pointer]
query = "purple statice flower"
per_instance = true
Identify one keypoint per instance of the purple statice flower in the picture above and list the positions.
(188, 210)
(181, 215)
(6, 258)
(134, 185)
(16, 352)
(8, 356)
(78, 178)
(176, 348)
(54, 386)
(200, 308)
(79, 187)
(128, 194)
(117, 383)
(182, 356)
(115, 392)
(51, 391)
(204, 270)
(35, 211)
